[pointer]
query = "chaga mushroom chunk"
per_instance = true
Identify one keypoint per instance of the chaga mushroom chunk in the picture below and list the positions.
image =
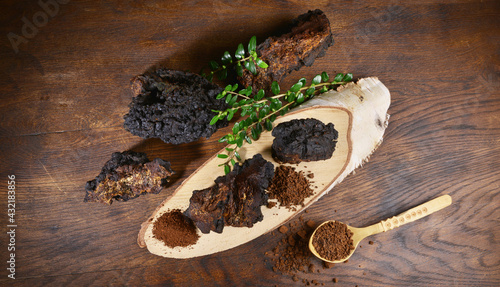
(174, 106)
(235, 199)
(303, 140)
(308, 39)
(126, 176)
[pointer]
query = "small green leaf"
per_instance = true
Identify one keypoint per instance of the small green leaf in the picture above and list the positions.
(220, 96)
(226, 58)
(252, 45)
(248, 139)
(253, 116)
(324, 89)
(214, 120)
(249, 89)
(263, 112)
(227, 169)
(259, 128)
(347, 77)
(273, 117)
(240, 52)
(228, 98)
(310, 91)
(235, 86)
(295, 88)
(276, 104)
(291, 97)
(260, 95)
(261, 63)
(253, 69)
(254, 134)
(303, 81)
(230, 115)
(239, 70)
(236, 128)
(275, 88)
(221, 155)
(242, 102)
(228, 88)
(300, 98)
(230, 149)
(244, 112)
(222, 75)
(258, 105)
(316, 80)
(250, 65)
(248, 121)
(233, 100)
(233, 162)
(324, 77)
(213, 65)
(243, 135)
(239, 142)
(268, 125)
(223, 139)
(338, 77)
(237, 155)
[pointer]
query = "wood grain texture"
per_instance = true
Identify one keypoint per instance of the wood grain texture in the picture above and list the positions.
(64, 94)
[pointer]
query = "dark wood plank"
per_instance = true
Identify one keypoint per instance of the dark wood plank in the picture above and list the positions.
(64, 94)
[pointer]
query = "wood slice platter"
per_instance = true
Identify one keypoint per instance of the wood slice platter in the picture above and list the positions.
(358, 112)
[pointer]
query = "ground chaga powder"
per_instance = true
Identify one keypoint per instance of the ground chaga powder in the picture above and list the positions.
(289, 187)
(175, 229)
(333, 241)
(292, 255)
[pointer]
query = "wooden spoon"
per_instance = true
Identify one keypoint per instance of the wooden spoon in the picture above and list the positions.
(388, 224)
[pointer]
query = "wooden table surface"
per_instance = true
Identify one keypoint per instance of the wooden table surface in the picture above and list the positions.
(65, 91)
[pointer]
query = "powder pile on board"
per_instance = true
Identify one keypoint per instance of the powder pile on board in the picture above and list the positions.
(174, 229)
(289, 187)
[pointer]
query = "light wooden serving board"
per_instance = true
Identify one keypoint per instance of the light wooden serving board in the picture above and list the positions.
(327, 173)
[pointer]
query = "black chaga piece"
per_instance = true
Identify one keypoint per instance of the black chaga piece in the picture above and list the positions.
(174, 106)
(308, 39)
(126, 176)
(235, 199)
(303, 140)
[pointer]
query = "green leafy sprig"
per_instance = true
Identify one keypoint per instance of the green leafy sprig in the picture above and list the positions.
(242, 59)
(262, 111)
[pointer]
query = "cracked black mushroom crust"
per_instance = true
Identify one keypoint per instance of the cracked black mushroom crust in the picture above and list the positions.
(174, 106)
(308, 39)
(303, 140)
(126, 176)
(235, 199)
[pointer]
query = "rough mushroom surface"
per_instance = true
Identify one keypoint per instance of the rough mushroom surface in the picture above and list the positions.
(174, 106)
(126, 176)
(303, 140)
(308, 38)
(235, 199)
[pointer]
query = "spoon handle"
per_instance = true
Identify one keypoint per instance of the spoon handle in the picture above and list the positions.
(416, 212)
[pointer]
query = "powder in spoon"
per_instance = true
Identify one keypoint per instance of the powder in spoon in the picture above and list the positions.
(175, 229)
(333, 241)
